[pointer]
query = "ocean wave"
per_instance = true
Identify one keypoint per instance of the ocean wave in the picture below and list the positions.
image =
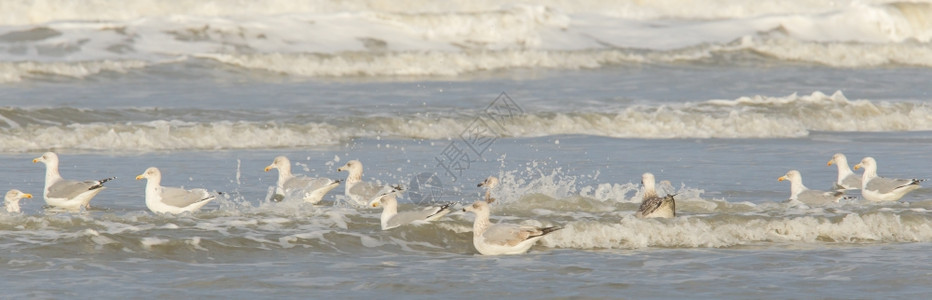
(843, 54)
(299, 39)
(719, 231)
(429, 63)
(36, 12)
(249, 227)
(20, 71)
(29, 130)
(450, 64)
(599, 216)
(170, 135)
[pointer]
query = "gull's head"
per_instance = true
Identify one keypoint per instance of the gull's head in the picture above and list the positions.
(278, 163)
(481, 206)
(353, 166)
(47, 157)
(14, 195)
(867, 162)
(791, 175)
(489, 183)
(150, 173)
(647, 179)
(383, 200)
(839, 159)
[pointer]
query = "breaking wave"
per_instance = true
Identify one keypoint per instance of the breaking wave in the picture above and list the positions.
(336, 39)
(30, 130)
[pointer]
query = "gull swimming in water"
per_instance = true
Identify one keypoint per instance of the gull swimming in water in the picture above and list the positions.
(311, 190)
(847, 179)
(64, 193)
(876, 188)
(391, 218)
(172, 200)
(799, 192)
(489, 184)
(653, 206)
(498, 239)
(360, 192)
(11, 200)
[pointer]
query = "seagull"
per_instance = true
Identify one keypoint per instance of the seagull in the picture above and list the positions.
(64, 193)
(653, 206)
(311, 190)
(360, 192)
(498, 239)
(876, 188)
(847, 180)
(799, 192)
(160, 199)
(391, 218)
(489, 184)
(11, 201)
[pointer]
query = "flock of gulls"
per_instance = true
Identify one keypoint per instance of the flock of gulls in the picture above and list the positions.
(873, 187)
(488, 238)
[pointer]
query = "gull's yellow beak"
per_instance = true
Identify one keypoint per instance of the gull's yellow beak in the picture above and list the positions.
(857, 166)
(830, 162)
(27, 195)
(141, 176)
(375, 203)
(35, 160)
(268, 168)
(782, 178)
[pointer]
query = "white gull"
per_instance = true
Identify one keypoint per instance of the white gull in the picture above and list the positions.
(876, 188)
(391, 218)
(498, 239)
(847, 179)
(11, 200)
(357, 191)
(489, 184)
(799, 192)
(311, 190)
(172, 200)
(64, 193)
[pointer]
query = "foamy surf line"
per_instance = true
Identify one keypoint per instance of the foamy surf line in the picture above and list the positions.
(432, 63)
(718, 231)
(27, 130)
(608, 223)
(259, 228)
(300, 40)
(26, 70)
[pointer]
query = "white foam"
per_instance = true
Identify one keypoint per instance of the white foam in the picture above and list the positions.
(168, 136)
(148, 242)
(246, 227)
(287, 242)
(745, 117)
(734, 230)
(370, 242)
(421, 63)
(36, 12)
(195, 242)
(420, 39)
(103, 240)
(19, 71)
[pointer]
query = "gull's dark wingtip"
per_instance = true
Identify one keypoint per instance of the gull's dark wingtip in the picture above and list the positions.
(547, 230)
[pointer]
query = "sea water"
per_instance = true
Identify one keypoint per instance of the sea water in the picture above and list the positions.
(568, 104)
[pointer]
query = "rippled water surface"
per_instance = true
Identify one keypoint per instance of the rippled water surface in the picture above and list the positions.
(717, 102)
